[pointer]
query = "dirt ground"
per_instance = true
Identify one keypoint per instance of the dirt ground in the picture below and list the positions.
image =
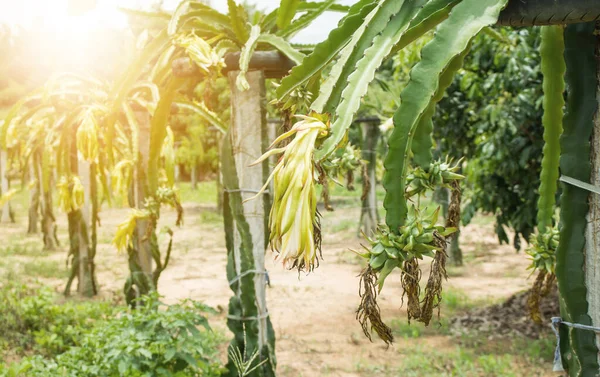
(313, 315)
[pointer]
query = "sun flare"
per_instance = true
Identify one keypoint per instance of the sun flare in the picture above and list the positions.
(65, 35)
(63, 16)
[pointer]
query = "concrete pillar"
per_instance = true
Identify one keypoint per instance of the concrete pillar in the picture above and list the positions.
(248, 114)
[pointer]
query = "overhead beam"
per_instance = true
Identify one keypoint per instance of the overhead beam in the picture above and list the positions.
(273, 63)
(549, 12)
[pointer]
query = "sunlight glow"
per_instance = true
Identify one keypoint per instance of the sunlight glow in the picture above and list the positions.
(54, 16)
(59, 40)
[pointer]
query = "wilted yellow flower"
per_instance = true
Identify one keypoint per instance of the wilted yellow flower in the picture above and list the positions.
(64, 194)
(32, 183)
(200, 52)
(12, 136)
(7, 196)
(168, 153)
(87, 137)
(125, 230)
(71, 193)
(78, 194)
(293, 222)
(122, 175)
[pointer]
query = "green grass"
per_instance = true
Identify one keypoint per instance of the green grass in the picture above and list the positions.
(402, 329)
(211, 218)
(422, 359)
(44, 268)
(27, 247)
(457, 361)
(26, 257)
(343, 226)
(32, 268)
(541, 350)
(454, 302)
(205, 193)
(537, 349)
(468, 355)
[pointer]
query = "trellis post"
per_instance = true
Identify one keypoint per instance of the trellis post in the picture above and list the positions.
(140, 281)
(34, 200)
(79, 241)
(274, 129)
(5, 216)
(246, 223)
(86, 280)
(369, 217)
(592, 242)
(194, 175)
(246, 262)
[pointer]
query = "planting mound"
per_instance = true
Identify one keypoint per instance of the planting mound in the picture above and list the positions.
(510, 317)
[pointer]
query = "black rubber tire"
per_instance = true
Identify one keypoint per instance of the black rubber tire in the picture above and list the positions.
(549, 12)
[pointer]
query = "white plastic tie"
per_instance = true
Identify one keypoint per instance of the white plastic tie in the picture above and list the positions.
(245, 190)
(246, 273)
(556, 322)
(580, 184)
(253, 318)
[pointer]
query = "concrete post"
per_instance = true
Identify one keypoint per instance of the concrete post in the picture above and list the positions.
(85, 286)
(34, 200)
(369, 216)
(5, 216)
(592, 237)
(142, 240)
(248, 116)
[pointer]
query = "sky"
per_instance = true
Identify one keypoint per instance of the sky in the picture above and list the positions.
(53, 15)
(317, 32)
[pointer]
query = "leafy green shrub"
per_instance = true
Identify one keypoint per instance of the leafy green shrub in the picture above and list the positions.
(31, 320)
(154, 340)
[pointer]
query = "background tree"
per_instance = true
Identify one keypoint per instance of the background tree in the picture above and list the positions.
(491, 116)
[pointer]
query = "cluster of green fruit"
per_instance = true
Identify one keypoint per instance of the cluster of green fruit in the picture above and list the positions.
(542, 250)
(416, 239)
(439, 174)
